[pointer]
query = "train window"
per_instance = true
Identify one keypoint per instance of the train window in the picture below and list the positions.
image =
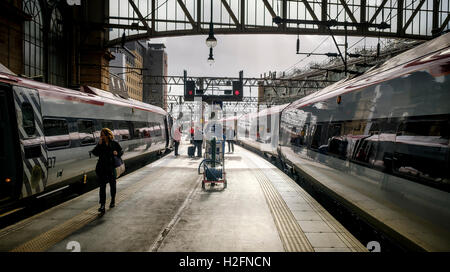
(141, 130)
(28, 119)
(316, 136)
(108, 124)
(374, 128)
(424, 128)
(334, 130)
(86, 132)
(56, 133)
(158, 130)
(421, 150)
(124, 131)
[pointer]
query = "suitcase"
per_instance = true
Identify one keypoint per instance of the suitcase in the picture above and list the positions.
(191, 150)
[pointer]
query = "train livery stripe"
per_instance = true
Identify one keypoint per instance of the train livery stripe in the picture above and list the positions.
(35, 170)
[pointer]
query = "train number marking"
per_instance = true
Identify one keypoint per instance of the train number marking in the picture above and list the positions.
(51, 161)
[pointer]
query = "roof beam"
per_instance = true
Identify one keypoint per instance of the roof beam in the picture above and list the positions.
(349, 12)
(444, 24)
(153, 15)
(400, 4)
(141, 18)
(310, 10)
(363, 15)
(199, 14)
(243, 12)
(270, 9)
(380, 8)
(186, 12)
(230, 11)
(413, 15)
(435, 16)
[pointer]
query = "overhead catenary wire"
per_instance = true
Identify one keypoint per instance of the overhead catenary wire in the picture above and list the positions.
(294, 65)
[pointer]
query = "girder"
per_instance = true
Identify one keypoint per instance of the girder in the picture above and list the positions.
(226, 81)
(141, 19)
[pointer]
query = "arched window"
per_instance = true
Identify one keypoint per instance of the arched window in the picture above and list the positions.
(33, 45)
(57, 61)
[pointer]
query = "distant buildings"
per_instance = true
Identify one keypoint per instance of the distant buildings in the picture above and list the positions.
(127, 65)
(156, 67)
(141, 68)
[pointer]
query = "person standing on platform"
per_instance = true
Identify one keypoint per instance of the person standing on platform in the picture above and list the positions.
(105, 150)
(192, 135)
(198, 141)
(177, 139)
(230, 135)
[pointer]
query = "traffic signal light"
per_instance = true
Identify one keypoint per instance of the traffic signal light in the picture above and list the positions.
(237, 90)
(189, 90)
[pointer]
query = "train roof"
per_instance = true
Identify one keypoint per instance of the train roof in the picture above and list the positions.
(86, 94)
(266, 111)
(416, 59)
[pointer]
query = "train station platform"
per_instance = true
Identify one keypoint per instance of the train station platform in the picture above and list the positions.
(162, 207)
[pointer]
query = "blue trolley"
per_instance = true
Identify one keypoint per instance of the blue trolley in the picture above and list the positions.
(214, 163)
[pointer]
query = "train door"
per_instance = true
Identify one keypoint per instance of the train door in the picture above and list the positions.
(30, 130)
(10, 164)
(166, 132)
(57, 140)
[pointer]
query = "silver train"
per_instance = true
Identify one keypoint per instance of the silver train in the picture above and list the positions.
(378, 143)
(49, 131)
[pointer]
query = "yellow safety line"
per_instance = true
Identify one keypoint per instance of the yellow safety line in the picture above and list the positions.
(292, 236)
(48, 239)
(346, 237)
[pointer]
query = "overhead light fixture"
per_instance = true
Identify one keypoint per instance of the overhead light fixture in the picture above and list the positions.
(211, 58)
(211, 41)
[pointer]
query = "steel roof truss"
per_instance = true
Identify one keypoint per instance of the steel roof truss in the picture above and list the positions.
(230, 11)
(141, 18)
(413, 15)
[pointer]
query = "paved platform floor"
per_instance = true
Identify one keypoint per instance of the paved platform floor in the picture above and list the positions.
(162, 207)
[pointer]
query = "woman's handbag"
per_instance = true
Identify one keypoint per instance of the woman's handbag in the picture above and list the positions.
(119, 167)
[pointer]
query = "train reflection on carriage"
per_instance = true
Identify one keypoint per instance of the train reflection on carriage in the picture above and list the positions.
(384, 133)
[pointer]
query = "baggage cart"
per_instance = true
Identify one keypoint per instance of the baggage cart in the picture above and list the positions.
(214, 164)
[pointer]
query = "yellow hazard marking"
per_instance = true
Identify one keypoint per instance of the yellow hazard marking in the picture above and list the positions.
(344, 235)
(50, 238)
(291, 235)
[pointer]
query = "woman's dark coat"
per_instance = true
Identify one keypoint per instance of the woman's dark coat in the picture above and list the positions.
(105, 164)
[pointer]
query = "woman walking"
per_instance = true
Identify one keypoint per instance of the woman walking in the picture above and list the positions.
(105, 150)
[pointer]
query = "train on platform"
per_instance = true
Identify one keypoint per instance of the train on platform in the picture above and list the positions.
(49, 131)
(384, 134)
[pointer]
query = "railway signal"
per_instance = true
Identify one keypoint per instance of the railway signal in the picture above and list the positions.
(189, 90)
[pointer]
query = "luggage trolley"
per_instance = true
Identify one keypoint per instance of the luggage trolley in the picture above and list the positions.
(214, 163)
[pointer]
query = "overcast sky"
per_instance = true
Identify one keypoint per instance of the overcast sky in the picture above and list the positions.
(254, 54)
